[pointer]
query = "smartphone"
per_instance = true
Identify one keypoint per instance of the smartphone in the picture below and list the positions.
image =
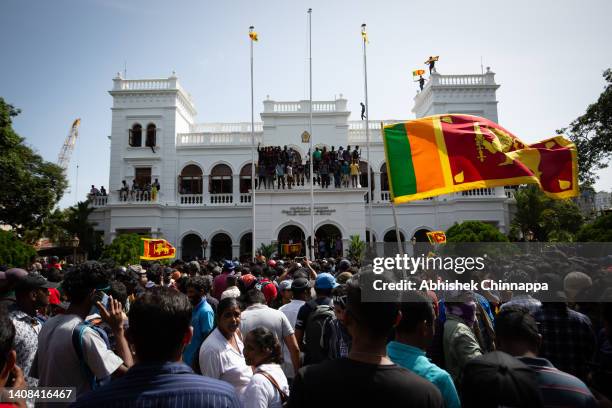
(102, 298)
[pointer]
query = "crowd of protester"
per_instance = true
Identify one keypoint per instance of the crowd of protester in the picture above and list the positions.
(277, 332)
(284, 168)
(143, 191)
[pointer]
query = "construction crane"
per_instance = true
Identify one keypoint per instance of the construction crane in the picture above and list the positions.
(63, 159)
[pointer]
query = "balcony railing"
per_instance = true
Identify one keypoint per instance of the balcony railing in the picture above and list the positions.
(99, 201)
(217, 139)
(479, 192)
(191, 199)
(221, 199)
(245, 198)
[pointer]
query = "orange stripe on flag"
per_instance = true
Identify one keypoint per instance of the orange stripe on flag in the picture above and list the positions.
(425, 156)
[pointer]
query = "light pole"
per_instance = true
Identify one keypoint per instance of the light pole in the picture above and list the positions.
(75, 244)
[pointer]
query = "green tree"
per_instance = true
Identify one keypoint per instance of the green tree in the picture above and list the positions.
(13, 251)
(548, 219)
(267, 250)
(600, 230)
(124, 250)
(31, 187)
(474, 231)
(356, 250)
(592, 134)
(77, 223)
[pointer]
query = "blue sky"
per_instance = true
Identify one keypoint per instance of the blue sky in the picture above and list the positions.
(59, 58)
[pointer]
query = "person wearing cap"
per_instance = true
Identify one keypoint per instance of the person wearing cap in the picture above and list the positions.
(324, 284)
(285, 292)
(220, 282)
(516, 333)
(31, 294)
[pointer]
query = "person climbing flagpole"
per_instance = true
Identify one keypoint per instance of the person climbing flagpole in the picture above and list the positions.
(254, 37)
(364, 38)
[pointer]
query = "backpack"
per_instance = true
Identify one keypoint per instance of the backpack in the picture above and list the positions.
(77, 343)
(314, 334)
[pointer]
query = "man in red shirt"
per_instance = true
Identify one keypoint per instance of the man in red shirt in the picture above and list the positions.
(220, 282)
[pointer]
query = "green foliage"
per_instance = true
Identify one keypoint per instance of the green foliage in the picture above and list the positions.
(592, 134)
(356, 250)
(267, 250)
(600, 230)
(13, 252)
(124, 250)
(77, 223)
(31, 187)
(548, 219)
(474, 231)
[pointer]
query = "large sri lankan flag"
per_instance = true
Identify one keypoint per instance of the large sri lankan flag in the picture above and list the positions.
(152, 249)
(448, 153)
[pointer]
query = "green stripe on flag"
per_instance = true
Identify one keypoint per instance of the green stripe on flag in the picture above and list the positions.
(402, 179)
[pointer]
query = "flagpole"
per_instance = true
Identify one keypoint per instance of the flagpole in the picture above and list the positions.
(253, 244)
(367, 118)
(312, 222)
(400, 247)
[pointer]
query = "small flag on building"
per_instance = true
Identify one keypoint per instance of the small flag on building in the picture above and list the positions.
(443, 154)
(436, 237)
(253, 34)
(154, 249)
(418, 72)
(432, 59)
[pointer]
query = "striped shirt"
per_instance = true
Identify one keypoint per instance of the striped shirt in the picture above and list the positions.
(161, 385)
(558, 388)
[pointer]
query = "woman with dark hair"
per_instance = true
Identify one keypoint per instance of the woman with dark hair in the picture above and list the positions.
(221, 353)
(268, 386)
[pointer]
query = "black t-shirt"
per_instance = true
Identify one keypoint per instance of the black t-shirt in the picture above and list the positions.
(344, 382)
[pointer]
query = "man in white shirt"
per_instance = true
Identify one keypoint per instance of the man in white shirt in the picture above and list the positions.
(57, 362)
(258, 314)
(300, 288)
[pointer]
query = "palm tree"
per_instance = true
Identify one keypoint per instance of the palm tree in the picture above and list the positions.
(77, 223)
(356, 249)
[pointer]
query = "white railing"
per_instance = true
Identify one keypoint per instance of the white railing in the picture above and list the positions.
(191, 199)
(216, 139)
(146, 84)
(473, 79)
(385, 196)
(137, 197)
(479, 192)
(357, 130)
(245, 198)
(221, 199)
(339, 105)
(237, 127)
(99, 201)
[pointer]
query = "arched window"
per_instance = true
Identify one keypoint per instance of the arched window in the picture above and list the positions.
(190, 180)
(384, 180)
(221, 179)
(136, 135)
(151, 135)
(245, 178)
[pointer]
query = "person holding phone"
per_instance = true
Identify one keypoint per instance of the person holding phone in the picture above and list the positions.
(59, 361)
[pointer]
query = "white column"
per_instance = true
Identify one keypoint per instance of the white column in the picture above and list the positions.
(236, 187)
(376, 187)
(236, 250)
(205, 182)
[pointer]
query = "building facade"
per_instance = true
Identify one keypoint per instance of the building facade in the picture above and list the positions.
(204, 205)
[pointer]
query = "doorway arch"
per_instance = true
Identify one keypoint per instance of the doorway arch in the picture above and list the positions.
(327, 236)
(191, 247)
(221, 247)
(291, 235)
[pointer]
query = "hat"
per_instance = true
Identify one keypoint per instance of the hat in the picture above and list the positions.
(34, 281)
(300, 284)
(176, 275)
(325, 281)
(285, 285)
(248, 279)
(137, 269)
(343, 277)
(150, 285)
(272, 263)
(228, 265)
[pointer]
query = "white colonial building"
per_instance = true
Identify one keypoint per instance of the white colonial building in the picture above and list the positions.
(155, 136)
